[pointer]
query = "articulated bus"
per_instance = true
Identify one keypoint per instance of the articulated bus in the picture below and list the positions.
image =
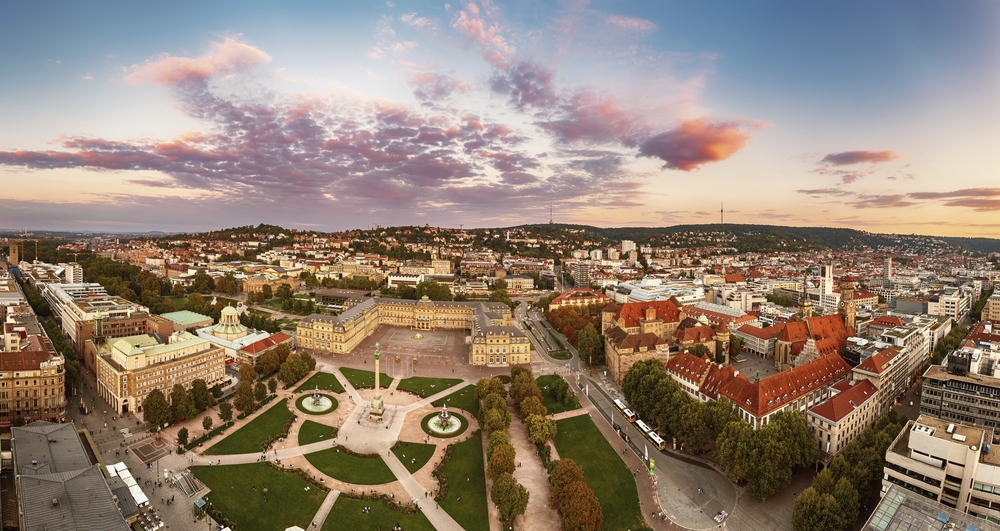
(642, 427)
(620, 405)
(656, 440)
(629, 416)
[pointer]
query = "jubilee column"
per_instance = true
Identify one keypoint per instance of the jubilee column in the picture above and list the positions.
(378, 407)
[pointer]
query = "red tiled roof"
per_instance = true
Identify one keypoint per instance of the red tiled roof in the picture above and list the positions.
(865, 295)
(266, 343)
(623, 340)
(688, 366)
(771, 393)
(888, 321)
(979, 332)
(769, 332)
(718, 376)
(844, 403)
(794, 331)
(667, 311)
(734, 277)
(698, 334)
(878, 361)
(829, 326)
(24, 360)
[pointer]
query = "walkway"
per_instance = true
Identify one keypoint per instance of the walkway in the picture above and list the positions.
(324, 510)
(441, 520)
(533, 476)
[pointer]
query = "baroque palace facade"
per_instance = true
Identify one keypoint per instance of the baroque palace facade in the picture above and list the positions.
(495, 342)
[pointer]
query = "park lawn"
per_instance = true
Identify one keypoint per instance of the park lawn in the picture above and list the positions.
(351, 468)
(248, 439)
(464, 399)
(471, 512)
(179, 303)
(347, 513)
(288, 503)
(311, 432)
(561, 354)
(365, 379)
(406, 451)
(577, 438)
(547, 400)
(424, 387)
(324, 381)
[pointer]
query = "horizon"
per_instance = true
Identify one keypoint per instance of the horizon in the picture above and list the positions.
(183, 117)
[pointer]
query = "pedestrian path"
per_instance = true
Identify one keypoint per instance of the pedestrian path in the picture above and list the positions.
(568, 414)
(530, 473)
(441, 520)
(324, 510)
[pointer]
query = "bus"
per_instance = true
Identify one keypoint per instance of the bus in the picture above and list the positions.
(642, 427)
(629, 416)
(620, 405)
(656, 440)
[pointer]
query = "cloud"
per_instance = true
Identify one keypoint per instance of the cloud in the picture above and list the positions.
(414, 21)
(967, 192)
(631, 24)
(857, 157)
(527, 84)
(702, 213)
(825, 191)
(696, 142)
(979, 205)
(881, 201)
(228, 56)
(433, 87)
(87, 77)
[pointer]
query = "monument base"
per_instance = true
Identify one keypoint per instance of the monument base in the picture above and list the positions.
(378, 407)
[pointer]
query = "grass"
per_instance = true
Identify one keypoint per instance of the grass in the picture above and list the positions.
(466, 461)
(561, 354)
(579, 439)
(298, 405)
(407, 451)
(248, 439)
(424, 387)
(179, 303)
(464, 399)
(324, 381)
(461, 418)
(547, 400)
(348, 513)
(288, 503)
(351, 468)
(311, 432)
(365, 379)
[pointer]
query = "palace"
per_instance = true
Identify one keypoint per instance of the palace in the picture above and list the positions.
(495, 342)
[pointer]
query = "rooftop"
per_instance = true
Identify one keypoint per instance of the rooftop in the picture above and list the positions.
(186, 318)
(900, 509)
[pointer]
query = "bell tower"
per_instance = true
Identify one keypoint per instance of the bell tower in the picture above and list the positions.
(846, 307)
(805, 303)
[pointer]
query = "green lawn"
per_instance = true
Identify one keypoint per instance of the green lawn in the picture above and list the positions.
(348, 513)
(303, 398)
(179, 303)
(579, 439)
(364, 379)
(455, 416)
(350, 468)
(248, 439)
(311, 432)
(424, 387)
(547, 400)
(407, 451)
(467, 480)
(464, 399)
(560, 354)
(324, 381)
(288, 503)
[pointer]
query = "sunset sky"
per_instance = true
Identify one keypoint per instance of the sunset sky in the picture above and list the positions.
(185, 116)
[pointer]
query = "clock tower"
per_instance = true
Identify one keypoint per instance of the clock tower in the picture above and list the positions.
(846, 307)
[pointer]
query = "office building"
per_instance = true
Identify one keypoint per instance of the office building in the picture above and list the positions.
(581, 273)
(32, 375)
(77, 303)
(838, 420)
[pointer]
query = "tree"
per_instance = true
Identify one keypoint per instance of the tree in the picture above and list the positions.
(487, 386)
(797, 436)
(226, 411)
(694, 432)
(202, 283)
(308, 360)
(283, 351)
(540, 429)
(524, 386)
(581, 511)
(206, 423)
(269, 362)
(559, 390)
(847, 498)
(636, 373)
(177, 290)
(227, 284)
(201, 395)
(718, 414)
(182, 436)
(816, 512)
(501, 461)
(181, 404)
(272, 385)
(735, 346)
(510, 497)
(733, 449)
(532, 405)
(493, 421)
(564, 473)
(284, 291)
(771, 462)
(497, 438)
(196, 303)
(588, 343)
(260, 391)
(434, 291)
(168, 305)
(500, 284)
(266, 291)
(155, 409)
(243, 398)
(293, 369)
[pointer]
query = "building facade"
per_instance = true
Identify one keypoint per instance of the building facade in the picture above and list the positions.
(838, 420)
(32, 377)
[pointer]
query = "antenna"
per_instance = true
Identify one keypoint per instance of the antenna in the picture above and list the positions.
(722, 214)
(550, 214)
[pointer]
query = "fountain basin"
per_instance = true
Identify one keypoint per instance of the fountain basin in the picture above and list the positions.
(325, 404)
(431, 425)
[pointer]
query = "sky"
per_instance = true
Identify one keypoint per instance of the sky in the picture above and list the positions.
(187, 116)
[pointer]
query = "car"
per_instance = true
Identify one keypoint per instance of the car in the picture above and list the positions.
(616, 426)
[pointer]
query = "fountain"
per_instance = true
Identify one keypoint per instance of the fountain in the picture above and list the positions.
(317, 403)
(444, 423)
(418, 336)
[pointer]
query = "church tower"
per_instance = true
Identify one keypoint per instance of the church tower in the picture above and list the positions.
(846, 307)
(805, 303)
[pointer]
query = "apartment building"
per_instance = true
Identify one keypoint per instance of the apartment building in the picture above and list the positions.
(581, 273)
(953, 464)
(500, 346)
(887, 370)
(991, 312)
(129, 368)
(32, 375)
(838, 420)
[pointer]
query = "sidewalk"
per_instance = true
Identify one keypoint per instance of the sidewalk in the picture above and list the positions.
(530, 473)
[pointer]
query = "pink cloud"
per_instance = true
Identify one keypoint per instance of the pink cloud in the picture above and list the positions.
(968, 192)
(881, 201)
(431, 86)
(228, 56)
(631, 24)
(476, 29)
(857, 157)
(696, 142)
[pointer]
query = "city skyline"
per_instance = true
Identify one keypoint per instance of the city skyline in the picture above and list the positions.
(187, 118)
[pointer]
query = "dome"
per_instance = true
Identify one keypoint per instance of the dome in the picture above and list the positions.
(229, 310)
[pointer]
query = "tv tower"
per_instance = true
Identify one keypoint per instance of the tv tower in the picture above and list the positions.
(550, 214)
(722, 214)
